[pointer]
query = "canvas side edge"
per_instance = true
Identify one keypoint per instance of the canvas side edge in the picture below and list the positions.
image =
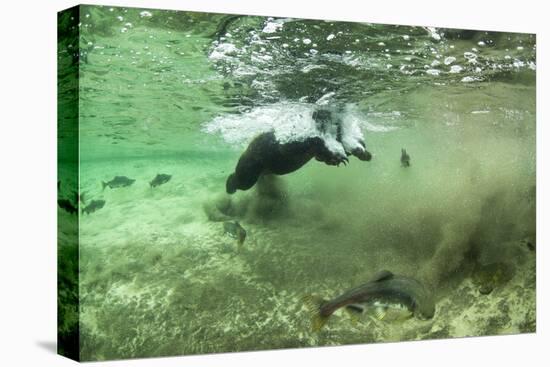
(68, 325)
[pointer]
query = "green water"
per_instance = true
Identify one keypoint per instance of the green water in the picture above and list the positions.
(184, 93)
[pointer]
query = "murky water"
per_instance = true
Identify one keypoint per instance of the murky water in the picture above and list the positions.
(184, 94)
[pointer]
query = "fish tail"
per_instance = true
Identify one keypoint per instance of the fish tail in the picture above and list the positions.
(104, 185)
(314, 304)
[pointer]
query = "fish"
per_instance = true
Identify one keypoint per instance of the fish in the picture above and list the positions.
(160, 179)
(387, 294)
(93, 206)
(118, 181)
(235, 230)
(67, 206)
(405, 158)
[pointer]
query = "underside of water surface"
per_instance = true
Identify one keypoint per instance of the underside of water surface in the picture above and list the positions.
(146, 92)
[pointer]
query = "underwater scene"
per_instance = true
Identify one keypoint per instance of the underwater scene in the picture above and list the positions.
(236, 183)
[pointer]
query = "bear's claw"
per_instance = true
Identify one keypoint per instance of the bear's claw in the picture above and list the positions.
(339, 160)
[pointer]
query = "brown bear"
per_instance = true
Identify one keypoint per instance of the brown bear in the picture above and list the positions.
(266, 155)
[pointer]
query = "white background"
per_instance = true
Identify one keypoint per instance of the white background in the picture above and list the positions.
(28, 181)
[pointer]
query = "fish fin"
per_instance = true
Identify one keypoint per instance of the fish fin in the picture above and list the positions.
(380, 313)
(382, 275)
(314, 304)
(355, 308)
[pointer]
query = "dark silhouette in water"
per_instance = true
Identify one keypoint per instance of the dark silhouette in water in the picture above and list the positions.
(160, 179)
(67, 206)
(266, 155)
(93, 206)
(118, 181)
(405, 158)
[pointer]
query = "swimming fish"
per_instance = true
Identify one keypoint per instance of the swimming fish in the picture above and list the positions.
(160, 179)
(405, 158)
(388, 294)
(118, 181)
(93, 206)
(235, 230)
(67, 206)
